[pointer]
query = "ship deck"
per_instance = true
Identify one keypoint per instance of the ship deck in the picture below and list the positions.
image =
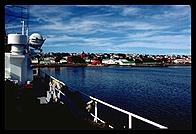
(24, 111)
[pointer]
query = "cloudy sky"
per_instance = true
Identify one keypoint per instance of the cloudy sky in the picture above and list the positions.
(146, 29)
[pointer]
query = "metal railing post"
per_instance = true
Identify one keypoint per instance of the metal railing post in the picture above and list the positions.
(58, 95)
(95, 119)
(130, 121)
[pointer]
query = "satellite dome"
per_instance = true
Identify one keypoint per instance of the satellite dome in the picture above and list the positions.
(36, 40)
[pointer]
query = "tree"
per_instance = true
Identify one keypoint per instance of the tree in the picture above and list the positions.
(138, 60)
(77, 59)
(58, 58)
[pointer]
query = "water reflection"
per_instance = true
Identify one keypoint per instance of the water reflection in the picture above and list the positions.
(78, 72)
(74, 75)
(57, 71)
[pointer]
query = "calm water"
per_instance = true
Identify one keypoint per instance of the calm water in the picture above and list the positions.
(160, 94)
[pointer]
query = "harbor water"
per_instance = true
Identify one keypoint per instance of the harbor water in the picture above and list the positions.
(160, 94)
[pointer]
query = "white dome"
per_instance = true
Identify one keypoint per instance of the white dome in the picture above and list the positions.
(36, 35)
(36, 40)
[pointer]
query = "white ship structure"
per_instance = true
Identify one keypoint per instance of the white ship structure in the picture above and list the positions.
(18, 61)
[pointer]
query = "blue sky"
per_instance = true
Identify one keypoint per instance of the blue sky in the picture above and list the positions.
(144, 29)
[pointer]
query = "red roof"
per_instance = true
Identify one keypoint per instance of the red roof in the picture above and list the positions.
(95, 62)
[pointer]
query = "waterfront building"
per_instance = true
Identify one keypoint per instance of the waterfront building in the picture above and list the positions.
(182, 61)
(88, 60)
(34, 61)
(125, 62)
(63, 61)
(83, 55)
(109, 61)
(95, 62)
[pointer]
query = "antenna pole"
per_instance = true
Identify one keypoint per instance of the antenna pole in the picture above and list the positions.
(22, 27)
(27, 32)
(27, 28)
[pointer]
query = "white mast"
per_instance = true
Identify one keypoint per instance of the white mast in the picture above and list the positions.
(22, 27)
(27, 32)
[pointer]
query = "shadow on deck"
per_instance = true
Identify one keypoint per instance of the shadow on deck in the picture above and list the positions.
(24, 111)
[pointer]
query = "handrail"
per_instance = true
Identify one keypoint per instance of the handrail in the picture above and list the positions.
(109, 105)
(101, 120)
(57, 80)
(126, 112)
(130, 115)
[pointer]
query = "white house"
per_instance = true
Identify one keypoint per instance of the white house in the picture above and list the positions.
(63, 61)
(125, 62)
(109, 61)
(34, 61)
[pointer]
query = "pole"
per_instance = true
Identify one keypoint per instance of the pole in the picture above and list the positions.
(22, 27)
(95, 119)
(130, 121)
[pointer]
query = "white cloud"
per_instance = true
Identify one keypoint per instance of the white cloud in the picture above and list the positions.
(141, 34)
(74, 26)
(176, 13)
(167, 42)
(50, 13)
(137, 25)
(113, 27)
(13, 26)
(129, 11)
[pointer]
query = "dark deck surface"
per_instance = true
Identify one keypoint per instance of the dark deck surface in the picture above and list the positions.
(23, 110)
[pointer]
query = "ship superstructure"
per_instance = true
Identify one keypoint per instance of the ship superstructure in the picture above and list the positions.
(18, 61)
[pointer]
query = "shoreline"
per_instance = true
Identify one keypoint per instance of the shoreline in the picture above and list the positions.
(104, 65)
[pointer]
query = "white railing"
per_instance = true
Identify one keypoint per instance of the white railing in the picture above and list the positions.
(57, 80)
(130, 115)
(55, 86)
(96, 101)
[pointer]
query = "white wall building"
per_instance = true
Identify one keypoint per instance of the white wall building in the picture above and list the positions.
(109, 61)
(34, 61)
(63, 61)
(124, 62)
